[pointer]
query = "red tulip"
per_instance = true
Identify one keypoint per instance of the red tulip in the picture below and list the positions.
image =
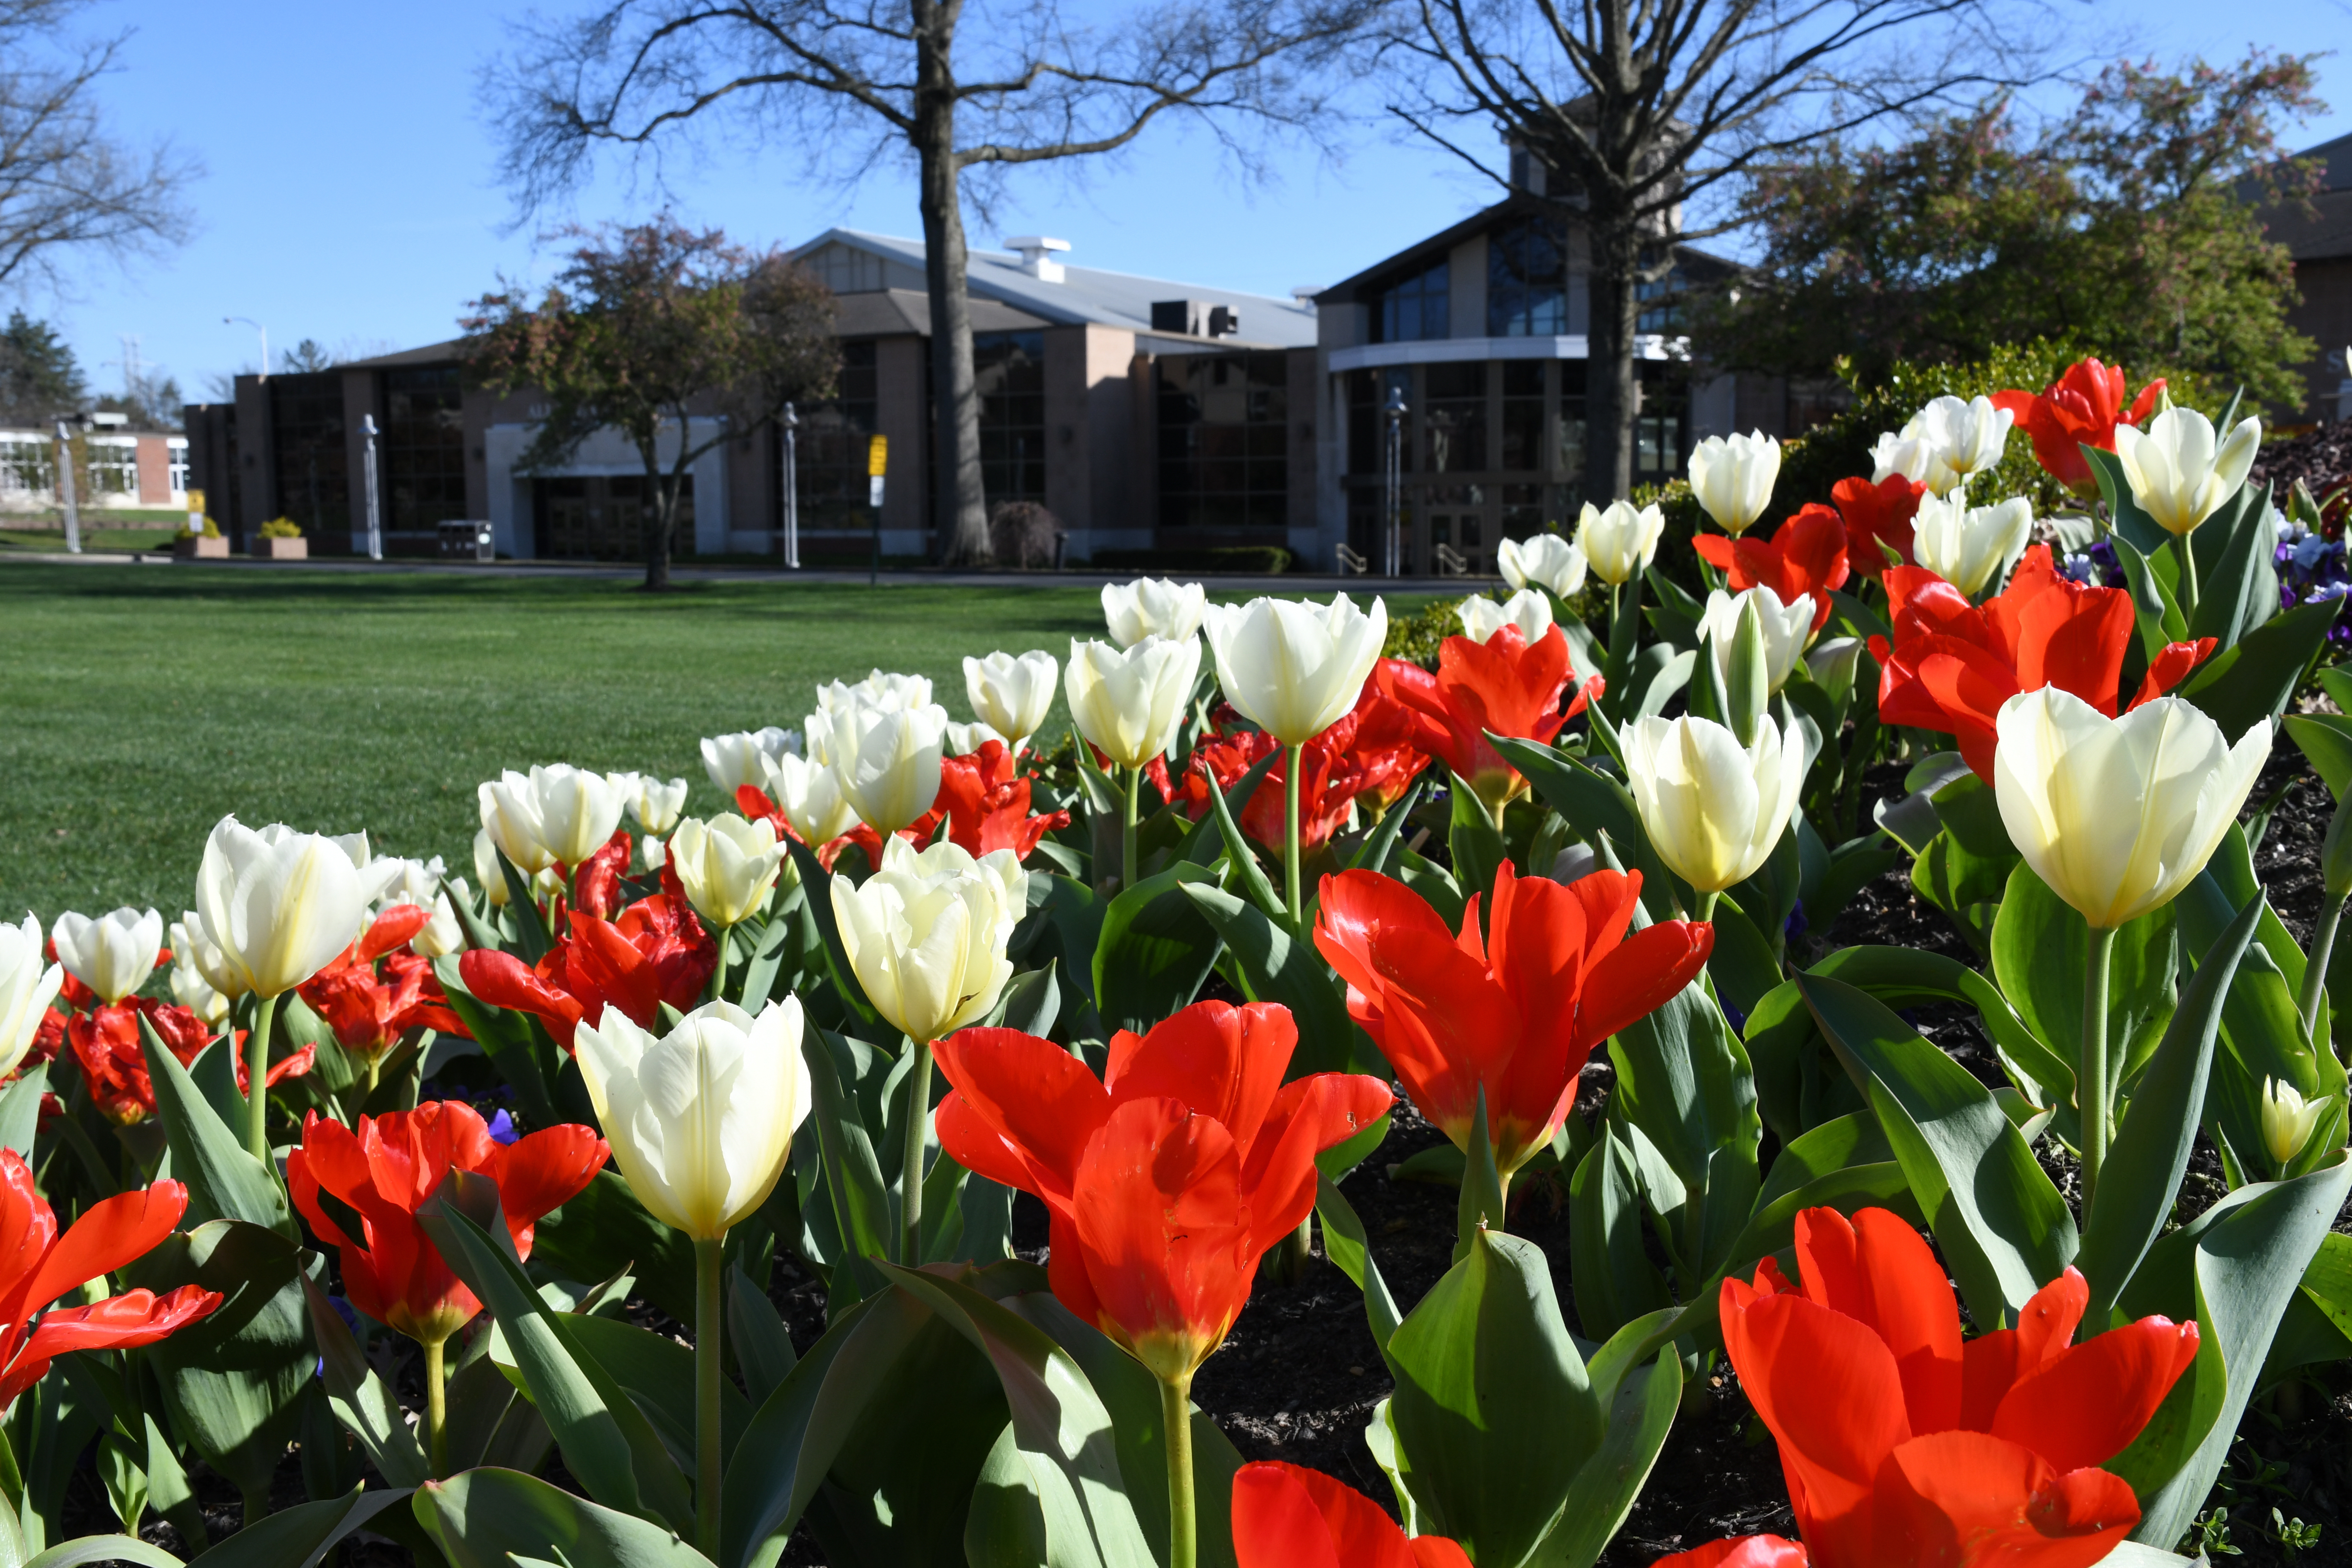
(1806, 554)
(1288, 1517)
(1506, 684)
(1329, 779)
(108, 1044)
(1167, 1179)
(2080, 409)
(986, 798)
(385, 1171)
(1876, 514)
(597, 880)
(1953, 664)
(1387, 748)
(1903, 1445)
(1516, 1012)
(368, 1012)
(1742, 1551)
(37, 1265)
(657, 952)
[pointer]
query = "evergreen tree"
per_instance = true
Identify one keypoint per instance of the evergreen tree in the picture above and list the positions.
(39, 374)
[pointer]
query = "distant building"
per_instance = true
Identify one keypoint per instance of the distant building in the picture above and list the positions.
(121, 469)
(2320, 240)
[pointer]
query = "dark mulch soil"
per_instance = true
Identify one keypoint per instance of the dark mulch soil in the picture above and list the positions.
(2321, 458)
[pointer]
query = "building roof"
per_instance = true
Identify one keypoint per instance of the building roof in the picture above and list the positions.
(1087, 295)
(2322, 230)
(431, 354)
(1424, 253)
(887, 313)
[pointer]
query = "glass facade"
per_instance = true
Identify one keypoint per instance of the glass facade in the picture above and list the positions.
(306, 436)
(1526, 279)
(422, 449)
(1224, 423)
(1009, 371)
(27, 466)
(111, 468)
(601, 518)
(1420, 307)
(1453, 419)
(832, 447)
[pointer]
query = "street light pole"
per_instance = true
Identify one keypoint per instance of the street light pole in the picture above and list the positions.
(1392, 474)
(66, 489)
(375, 518)
(792, 425)
(257, 326)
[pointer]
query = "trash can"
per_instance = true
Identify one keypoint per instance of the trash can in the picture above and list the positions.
(468, 542)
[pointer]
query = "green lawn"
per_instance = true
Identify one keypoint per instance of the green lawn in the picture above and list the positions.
(110, 538)
(141, 704)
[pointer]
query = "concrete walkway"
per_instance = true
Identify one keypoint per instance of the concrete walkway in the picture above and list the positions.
(1289, 584)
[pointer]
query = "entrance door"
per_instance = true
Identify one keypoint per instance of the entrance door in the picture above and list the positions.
(1455, 518)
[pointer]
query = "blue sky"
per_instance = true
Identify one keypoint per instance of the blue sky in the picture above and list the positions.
(349, 192)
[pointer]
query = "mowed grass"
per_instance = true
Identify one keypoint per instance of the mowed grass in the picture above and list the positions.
(139, 705)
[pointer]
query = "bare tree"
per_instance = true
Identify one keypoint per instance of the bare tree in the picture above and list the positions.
(1635, 108)
(67, 186)
(952, 86)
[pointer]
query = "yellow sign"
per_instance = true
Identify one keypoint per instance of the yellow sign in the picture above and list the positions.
(877, 456)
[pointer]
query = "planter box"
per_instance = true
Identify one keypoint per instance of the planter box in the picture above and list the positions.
(279, 548)
(200, 549)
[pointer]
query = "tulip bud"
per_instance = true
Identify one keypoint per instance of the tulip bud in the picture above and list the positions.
(1832, 665)
(442, 935)
(1969, 437)
(279, 905)
(27, 985)
(114, 955)
(654, 804)
(191, 947)
(1733, 476)
(1620, 540)
(925, 933)
(2118, 815)
(553, 816)
(1012, 696)
(191, 990)
(886, 761)
(811, 799)
(2288, 1119)
(1542, 561)
(727, 865)
(1913, 457)
(881, 688)
(1970, 547)
(963, 740)
(734, 761)
(1482, 617)
(1786, 628)
(1152, 607)
(1295, 669)
(2177, 474)
(486, 867)
(1130, 704)
(701, 1119)
(1713, 809)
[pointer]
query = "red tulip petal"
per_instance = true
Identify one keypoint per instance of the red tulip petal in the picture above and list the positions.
(126, 1321)
(1310, 1115)
(1288, 1517)
(1968, 1498)
(1739, 1552)
(1035, 1094)
(1829, 1389)
(541, 1172)
(502, 980)
(2171, 666)
(1640, 975)
(1437, 1552)
(390, 930)
(2087, 1402)
(1222, 1060)
(1877, 1270)
(110, 1234)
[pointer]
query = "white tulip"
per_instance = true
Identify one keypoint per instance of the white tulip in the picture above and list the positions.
(1913, 456)
(442, 935)
(1012, 696)
(963, 740)
(1527, 609)
(1713, 808)
(727, 865)
(2178, 475)
(278, 905)
(113, 954)
(1152, 607)
(410, 881)
(2287, 1118)
(1542, 561)
(1294, 668)
(2118, 815)
(880, 689)
(925, 933)
(734, 761)
(1968, 435)
(811, 799)
(701, 1119)
(192, 949)
(191, 990)
(886, 761)
(1733, 478)
(1620, 540)
(556, 814)
(1831, 664)
(486, 867)
(1970, 547)
(1787, 629)
(655, 805)
(1131, 703)
(28, 984)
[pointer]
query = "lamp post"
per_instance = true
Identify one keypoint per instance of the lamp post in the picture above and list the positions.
(1392, 475)
(375, 518)
(66, 483)
(792, 426)
(257, 326)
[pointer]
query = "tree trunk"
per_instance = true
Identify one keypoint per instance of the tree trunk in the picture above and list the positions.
(962, 519)
(1611, 394)
(659, 519)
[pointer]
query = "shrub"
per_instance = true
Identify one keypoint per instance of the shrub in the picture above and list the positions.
(1254, 560)
(281, 527)
(1021, 533)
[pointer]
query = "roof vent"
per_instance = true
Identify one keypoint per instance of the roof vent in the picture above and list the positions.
(1303, 295)
(1037, 256)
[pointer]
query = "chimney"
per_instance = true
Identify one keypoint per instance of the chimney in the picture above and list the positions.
(1037, 252)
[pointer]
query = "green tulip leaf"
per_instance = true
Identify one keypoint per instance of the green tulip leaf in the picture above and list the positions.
(1609, 1268)
(1642, 1404)
(764, 1347)
(2325, 740)
(367, 1409)
(1278, 966)
(301, 1536)
(657, 1374)
(499, 1519)
(1349, 1250)
(224, 1181)
(1683, 1079)
(2259, 676)
(1156, 951)
(96, 1549)
(603, 1229)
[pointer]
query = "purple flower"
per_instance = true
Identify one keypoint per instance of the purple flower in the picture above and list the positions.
(502, 1129)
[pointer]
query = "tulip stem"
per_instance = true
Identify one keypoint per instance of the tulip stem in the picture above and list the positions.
(2315, 968)
(1126, 829)
(256, 1075)
(1290, 759)
(2091, 1088)
(1176, 1418)
(436, 1409)
(709, 1256)
(2188, 555)
(718, 970)
(911, 1173)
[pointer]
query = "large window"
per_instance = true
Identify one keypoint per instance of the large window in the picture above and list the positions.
(830, 449)
(306, 418)
(1415, 309)
(1009, 371)
(599, 518)
(175, 460)
(424, 448)
(27, 466)
(1526, 281)
(1453, 419)
(113, 466)
(1224, 423)
(1368, 420)
(1666, 314)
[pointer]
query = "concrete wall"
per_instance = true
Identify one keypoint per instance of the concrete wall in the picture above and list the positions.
(1093, 379)
(2324, 314)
